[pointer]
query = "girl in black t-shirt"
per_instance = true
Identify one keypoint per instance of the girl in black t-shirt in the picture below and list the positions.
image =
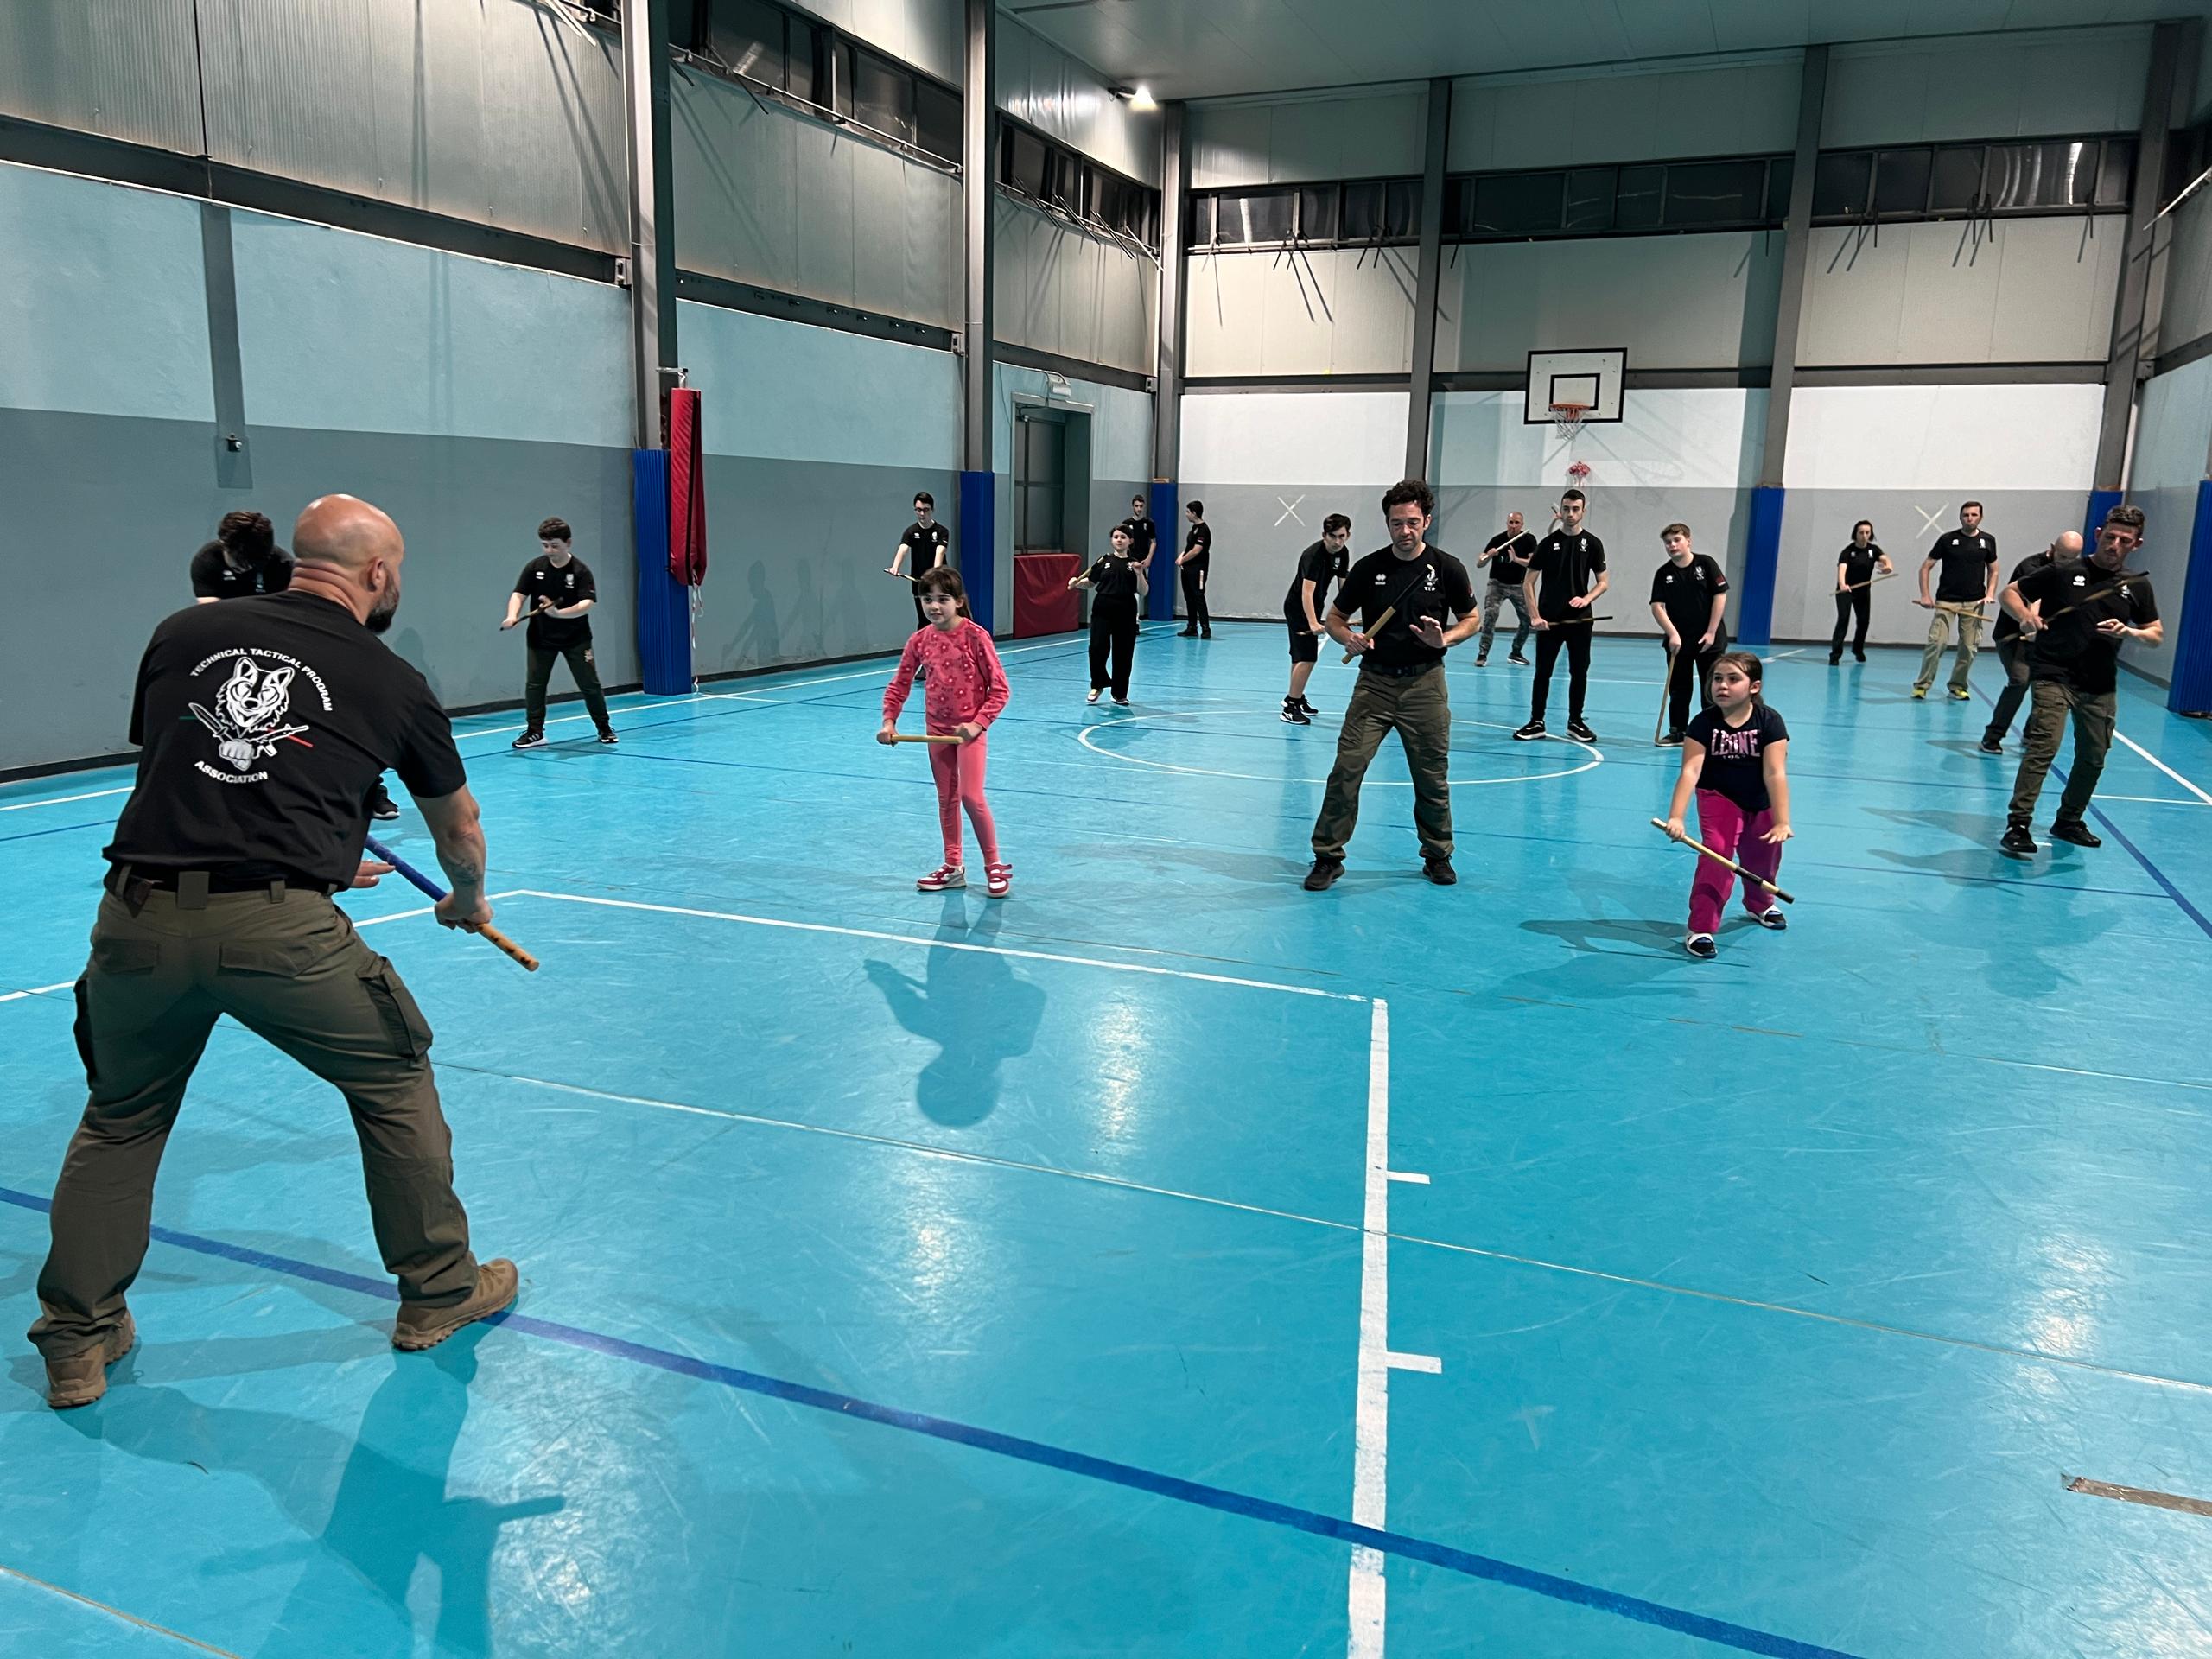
(1855, 569)
(1735, 760)
(1119, 585)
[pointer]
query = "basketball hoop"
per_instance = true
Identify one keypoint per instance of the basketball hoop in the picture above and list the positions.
(1567, 418)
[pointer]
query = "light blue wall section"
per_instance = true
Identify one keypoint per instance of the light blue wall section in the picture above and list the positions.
(2173, 436)
(354, 333)
(788, 391)
(107, 313)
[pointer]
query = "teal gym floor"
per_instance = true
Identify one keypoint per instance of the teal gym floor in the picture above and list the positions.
(1165, 1260)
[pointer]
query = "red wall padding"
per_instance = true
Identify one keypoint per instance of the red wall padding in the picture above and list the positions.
(1042, 602)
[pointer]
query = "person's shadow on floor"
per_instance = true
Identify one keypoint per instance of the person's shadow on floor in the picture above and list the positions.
(392, 1511)
(973, 1005)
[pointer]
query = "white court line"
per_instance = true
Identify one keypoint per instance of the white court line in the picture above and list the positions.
(1371, 1454)
(118, 1612)
(2164, 767)
(1407, 1175)
(43, 990)
(940, 944)
(1429, 1362)
(64, 800)
(1779, 655)
(567, 720)
(2149, 800)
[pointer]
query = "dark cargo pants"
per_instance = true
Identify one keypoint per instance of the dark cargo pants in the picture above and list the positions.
(1416, 709)
(2095, 714)
(581, 665)
(292, 971)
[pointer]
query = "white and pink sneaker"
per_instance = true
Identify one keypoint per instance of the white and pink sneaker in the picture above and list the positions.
(998, 878)
(945, 875)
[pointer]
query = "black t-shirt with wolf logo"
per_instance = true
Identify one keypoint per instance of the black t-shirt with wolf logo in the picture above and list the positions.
(263, 725)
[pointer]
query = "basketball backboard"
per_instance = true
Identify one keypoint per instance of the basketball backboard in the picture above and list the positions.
(1593, 379)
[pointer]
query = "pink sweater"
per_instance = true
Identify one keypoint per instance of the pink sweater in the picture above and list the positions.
(965, 684)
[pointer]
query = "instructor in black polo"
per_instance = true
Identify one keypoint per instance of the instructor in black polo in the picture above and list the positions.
(1401, 686)
(261, 725)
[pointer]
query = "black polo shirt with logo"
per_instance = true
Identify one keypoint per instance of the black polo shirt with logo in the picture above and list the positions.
(1565, 560)
(1963, 562)
(1422, 588)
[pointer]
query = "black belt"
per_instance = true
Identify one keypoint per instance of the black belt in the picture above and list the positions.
(131, 884)
(1404, 671)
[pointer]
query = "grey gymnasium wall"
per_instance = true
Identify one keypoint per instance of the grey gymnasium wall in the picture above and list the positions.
(468, 399)
(505, 112)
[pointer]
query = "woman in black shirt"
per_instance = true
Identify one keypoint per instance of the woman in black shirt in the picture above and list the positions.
(1855, 568)
(1119, 584)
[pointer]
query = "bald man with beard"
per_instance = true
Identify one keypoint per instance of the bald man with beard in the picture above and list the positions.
(262, 724)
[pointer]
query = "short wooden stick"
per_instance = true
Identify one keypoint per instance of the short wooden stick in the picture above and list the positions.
(1375, 627)
(924, 737)
(1718, 858)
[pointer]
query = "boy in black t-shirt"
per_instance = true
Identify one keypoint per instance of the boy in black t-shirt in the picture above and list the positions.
(924, 540)
(1688, 594)
(1855, 569)
(1304, 606)
(1194, 561)
(1560, 594)
(243, 559)
(2075, 617)
(1967, 558)
(558, 587)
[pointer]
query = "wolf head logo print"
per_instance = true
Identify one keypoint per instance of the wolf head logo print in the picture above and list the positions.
(248, 720)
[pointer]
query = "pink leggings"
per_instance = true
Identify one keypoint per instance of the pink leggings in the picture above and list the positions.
(959, 770)
(1723, 826)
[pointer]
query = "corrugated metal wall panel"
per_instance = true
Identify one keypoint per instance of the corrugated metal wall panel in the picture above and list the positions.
(503, 113)
(766, 195)
(1062, 291)
(125, 68)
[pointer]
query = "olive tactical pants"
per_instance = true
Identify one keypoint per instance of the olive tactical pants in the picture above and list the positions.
(1417, 709)
(2095, 713)
(292, 970)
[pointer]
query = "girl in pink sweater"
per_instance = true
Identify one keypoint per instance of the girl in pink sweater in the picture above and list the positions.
(966, 691)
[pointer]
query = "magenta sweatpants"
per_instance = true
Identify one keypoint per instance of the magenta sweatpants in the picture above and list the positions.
(1723, 826)
(959, 770)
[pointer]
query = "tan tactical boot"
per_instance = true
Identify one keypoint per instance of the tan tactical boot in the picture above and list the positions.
(82, 1378)
(417, 1328)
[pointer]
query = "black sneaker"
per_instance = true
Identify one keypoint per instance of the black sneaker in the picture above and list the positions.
(1530, 732)
(1674, 739)
(1517, 658)
(1294, 716)
(1205, 633)
(382, 806)
(1836, 660)
(1307, 707)
(1700, 945)
(1772, 917)
(1578, 729)
(1482, 659)
(1440, 871)
(529, 740)
(1991, 745)
(1858, 655)
(2018, 840)
(2074, 830)
(1324, 875)
(607, 734)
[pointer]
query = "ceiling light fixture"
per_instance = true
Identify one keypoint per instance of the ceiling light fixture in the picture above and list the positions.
(1137, 98)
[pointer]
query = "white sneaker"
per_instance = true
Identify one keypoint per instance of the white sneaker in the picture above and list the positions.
(1093, 697)
(945, 875)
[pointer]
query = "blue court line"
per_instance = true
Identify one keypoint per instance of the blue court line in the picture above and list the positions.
(2137, 853)
(1741, 1637)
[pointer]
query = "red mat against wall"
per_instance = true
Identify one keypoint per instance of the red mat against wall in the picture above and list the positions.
(1042, 601)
